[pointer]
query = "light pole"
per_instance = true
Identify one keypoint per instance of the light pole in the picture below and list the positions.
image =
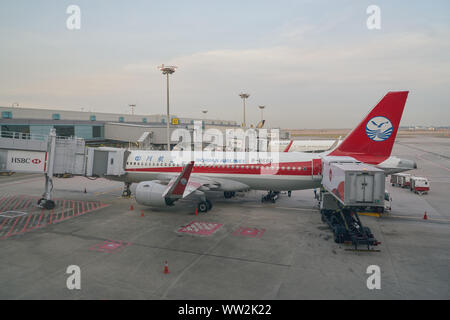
(204, 116)
(132, 106)
(244, 96)
(262, 116)
(167, 70)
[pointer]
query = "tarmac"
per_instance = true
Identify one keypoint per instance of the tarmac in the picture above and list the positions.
(241, 249)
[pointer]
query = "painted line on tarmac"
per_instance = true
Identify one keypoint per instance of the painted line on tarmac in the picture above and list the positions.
(415, 218)
(285, 208)
(106, 192)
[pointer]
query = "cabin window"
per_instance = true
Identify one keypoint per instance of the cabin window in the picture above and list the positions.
(282, 168)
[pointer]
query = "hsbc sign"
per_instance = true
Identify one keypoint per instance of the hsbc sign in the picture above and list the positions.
(26, 161)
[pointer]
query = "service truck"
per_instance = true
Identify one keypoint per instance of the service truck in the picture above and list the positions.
(402, 180)
(420, 185)
(349, 187)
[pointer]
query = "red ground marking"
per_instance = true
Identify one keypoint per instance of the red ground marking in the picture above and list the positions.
(18, 202)
(4, 222)
(27, 204)
(12, 228)
(62, 213)
(249, 232)
(110, 246)
(26, 224)
(10, 200)
(200, 228)
(39, 222)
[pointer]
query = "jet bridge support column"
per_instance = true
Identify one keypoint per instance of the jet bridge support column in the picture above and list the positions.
(46, 200)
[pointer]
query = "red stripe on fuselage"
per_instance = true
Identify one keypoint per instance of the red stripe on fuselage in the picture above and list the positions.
(258, 169)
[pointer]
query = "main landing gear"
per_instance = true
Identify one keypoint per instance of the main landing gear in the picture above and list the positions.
(204, 206)
(271, 196)
(229, 194)
(126, 191)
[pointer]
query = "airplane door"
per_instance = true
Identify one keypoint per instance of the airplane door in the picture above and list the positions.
(316, 169)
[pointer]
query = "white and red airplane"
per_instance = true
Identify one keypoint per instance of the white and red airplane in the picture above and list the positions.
(164, 178)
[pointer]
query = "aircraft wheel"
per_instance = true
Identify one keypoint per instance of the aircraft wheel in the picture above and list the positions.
(289, 193)
(49, 204)
(228, 194)
(40, 201)
(209, 203)
(202, 206)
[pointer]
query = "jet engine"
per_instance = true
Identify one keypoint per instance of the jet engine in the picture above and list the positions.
(149, 193)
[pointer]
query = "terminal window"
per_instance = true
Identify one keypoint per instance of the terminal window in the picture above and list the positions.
(6, 115)
(65, 131)
(56, 116)
(96, 131)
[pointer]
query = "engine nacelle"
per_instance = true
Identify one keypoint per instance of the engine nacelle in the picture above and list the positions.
(149, 193)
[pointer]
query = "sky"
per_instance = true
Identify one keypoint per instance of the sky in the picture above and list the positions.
(313, 64)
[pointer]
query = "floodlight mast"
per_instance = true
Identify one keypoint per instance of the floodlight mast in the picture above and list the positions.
(244, 96)
(204, 115)
(167, 70)
(262, 115)
(132, 106)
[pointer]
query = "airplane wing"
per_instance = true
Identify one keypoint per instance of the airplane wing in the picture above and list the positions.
(183, 185)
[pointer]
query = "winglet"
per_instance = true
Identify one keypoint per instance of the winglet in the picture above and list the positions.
(288, 146)
(179, 184)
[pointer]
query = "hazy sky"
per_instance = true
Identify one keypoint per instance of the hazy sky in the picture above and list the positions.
(312, 63)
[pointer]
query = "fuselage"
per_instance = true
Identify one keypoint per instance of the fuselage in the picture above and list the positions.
(278, 171)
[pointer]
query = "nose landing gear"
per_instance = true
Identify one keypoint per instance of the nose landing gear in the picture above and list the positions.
(126, 191)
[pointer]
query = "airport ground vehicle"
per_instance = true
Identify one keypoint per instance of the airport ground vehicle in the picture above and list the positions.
(349, 187)
(402, 180)
(420, 185)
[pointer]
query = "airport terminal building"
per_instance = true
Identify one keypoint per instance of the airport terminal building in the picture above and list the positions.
(97, 127)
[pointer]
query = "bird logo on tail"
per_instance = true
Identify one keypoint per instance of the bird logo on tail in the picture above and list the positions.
(379, 128)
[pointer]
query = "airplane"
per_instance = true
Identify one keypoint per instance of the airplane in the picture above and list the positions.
(163, 177)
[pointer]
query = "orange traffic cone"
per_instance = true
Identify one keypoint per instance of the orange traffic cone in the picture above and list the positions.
(142, 213)
(131, 208)
(166, 268)
(425, 217)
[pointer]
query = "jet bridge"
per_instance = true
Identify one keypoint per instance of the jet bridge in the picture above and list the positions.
(52, 155)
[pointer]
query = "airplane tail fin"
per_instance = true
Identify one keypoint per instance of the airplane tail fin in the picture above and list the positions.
(372, 140)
